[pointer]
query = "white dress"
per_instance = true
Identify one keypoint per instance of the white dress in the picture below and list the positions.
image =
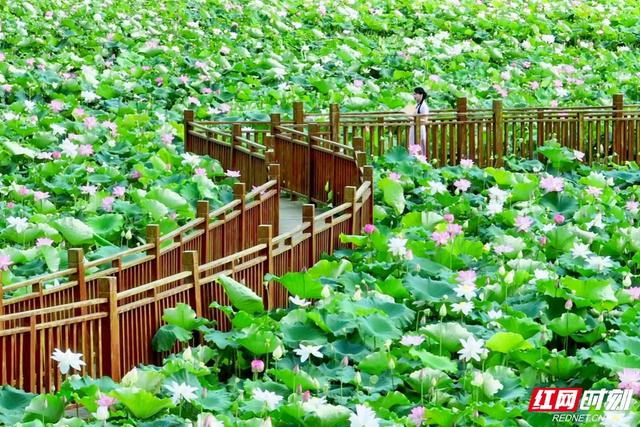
(422, 109)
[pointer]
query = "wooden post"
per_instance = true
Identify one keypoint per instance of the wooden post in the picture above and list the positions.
(274, 174)
(618, 127)
(76, 260)
(334, 122)
(110, 346)
(239, 193)
(265, 236)
(497, 133)
(358, 143)
(188, 117)
(368, 176)
(298, 115)
(314, 130)
(461, 116)
(381, 147)
(153, 236)
(202, 211)
(31, 375)
(308, 215)
(581, 134)
(350, 197)
(190, 263)
(275, 123)
(236, 131)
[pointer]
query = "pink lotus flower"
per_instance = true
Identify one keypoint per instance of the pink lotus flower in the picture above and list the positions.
(232, 174)
(632, 206)
(167, 138)
(534, 85)
(85, 149)
(454, 229)
(345, 361)
(2, 57)
(554, 103)
(395, 176)
(135, 174)
(201, 65)
(172, 215)
(106, 401)
(40, 195)
(7, 88)
(369, 228)
(43, 241)
(88, 189)
(193, 100)
(412, 340)
(449, 217)
(358, 83)
(466, 277)
(5, 262)
(225, 50)
(24, 191)
(56, 105)
(306, 395)
(112, 126)
(183, 79)
(206, 90)
(90, 169)
(568, 304)
(594, 191)
(146, 68)
(107, 203)
(90, 122)
(56, 154)
(118, 191)
(526, 64)
(10, 205)
(634, 292)
(414, 149)
(552, 183)
(502, 249)
(159, 81)
(543, 240)
(78, 112)
(558, 218)
(466, 163)
(630, 379)
(257, 366)
(224, 108)
(416, 417)
(523, 223)
(462, 184)
(200, 171)
(440, 237)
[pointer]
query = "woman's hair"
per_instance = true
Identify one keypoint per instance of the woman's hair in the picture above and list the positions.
(420, 91)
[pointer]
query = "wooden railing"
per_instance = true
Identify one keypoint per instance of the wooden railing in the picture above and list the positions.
(488, 135)
(312, 165)
(114, 327)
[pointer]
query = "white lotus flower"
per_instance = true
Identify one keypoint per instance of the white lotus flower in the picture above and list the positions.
(102, 413)
(410, 340)
(436, 187)
(466, 290)
(20, 224)
(270, 398)
(472, 349)
(487, 382)
(69, 148)
(181, 391)
(364, 417)
(463, 307)
(299, 301)
(494, 207)
(192, 160)
(306, 351)
(397, 246)
(580, 250)
(599, 263)
(617, 419)
(67, 360)
(494, 315)
(57, 129)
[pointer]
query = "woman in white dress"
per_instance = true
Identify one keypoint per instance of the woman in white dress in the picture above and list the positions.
(422, 109)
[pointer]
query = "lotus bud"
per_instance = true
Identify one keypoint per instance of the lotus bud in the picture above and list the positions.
(357, 379)
(278, 353)
(257, 366)
(299, 389)
(357, 295)
(434, 382)
(345, 361)
(373, 379)
(502, 270)
(187, 355)
(306, 396)
(443, 310)
(509, 277)
(267, 422)
(626, 280)
(568, 305)
(326, 291)
(391, 365)
(296, 369)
